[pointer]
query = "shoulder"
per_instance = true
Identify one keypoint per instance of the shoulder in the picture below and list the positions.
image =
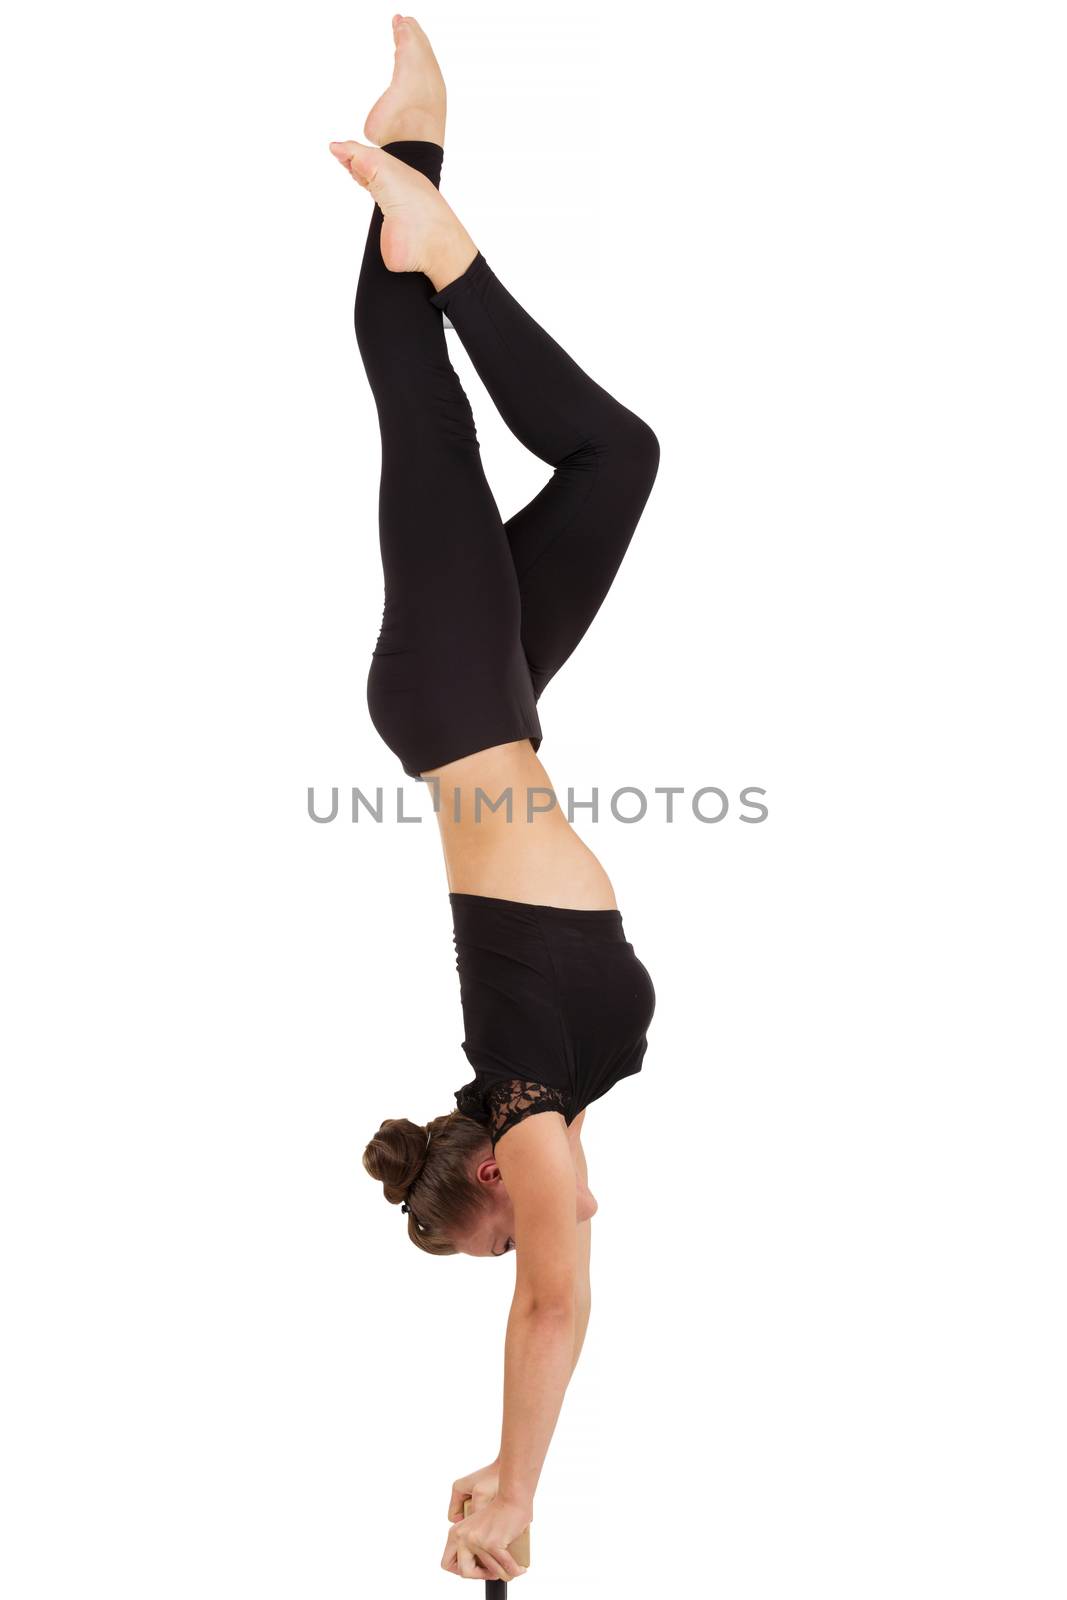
(501, 1102)
(509, 1101)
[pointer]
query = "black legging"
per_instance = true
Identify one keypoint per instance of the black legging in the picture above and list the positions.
(480, 614)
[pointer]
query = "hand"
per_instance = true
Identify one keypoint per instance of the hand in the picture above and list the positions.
(479, 1487)
(478, 1546)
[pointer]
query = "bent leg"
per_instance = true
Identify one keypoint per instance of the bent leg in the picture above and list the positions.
(568, 543)
(448, 676)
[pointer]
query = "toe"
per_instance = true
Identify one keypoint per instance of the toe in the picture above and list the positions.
(361, 161)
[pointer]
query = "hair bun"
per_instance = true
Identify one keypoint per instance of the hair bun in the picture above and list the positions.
(395, 1157)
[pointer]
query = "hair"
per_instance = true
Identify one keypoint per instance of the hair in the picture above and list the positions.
(433, 1175)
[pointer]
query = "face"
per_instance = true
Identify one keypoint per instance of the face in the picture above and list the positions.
(492, 1233)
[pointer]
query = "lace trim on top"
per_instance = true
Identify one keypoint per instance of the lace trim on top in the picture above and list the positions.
(505, 1102)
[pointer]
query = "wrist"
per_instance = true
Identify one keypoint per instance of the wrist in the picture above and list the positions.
(516, 1499)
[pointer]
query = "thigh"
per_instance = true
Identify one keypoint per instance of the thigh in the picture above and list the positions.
(449, 675)
(562, 586)
(568, 544)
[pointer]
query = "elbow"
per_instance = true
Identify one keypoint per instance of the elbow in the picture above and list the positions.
(555, 1306)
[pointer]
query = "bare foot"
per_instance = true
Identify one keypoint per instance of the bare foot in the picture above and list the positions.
(413, 106)
(420, 231)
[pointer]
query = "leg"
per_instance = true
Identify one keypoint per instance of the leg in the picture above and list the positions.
(448, 675)
(566, 546)
(568, 543)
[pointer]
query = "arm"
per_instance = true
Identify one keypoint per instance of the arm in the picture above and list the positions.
(582, 1292)
(537, 1165)
(582, 1295)
(482, 1486)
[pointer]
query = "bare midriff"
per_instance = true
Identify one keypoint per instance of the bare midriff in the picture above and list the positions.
(503, 837)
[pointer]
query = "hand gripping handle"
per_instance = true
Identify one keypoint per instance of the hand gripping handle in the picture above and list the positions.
(519, 1548)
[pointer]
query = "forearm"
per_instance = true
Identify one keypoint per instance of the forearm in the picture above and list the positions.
(581, 1323)
(539, 1356)
(582, 1292)
(582, 1304)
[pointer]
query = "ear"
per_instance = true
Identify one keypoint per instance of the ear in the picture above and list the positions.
(487, 1171)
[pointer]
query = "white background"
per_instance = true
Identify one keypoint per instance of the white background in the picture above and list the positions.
(821, 248)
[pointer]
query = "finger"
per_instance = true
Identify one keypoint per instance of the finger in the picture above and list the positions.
(488, 1561)
(509, 1567)
(466, 1562)
(498, 1561)
(456, 1504)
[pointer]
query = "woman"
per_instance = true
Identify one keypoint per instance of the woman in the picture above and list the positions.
(479, 616)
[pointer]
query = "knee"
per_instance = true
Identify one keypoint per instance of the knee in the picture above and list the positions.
(623, 447)
(647, 448)
(638, 448)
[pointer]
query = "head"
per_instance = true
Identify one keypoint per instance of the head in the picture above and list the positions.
(446, 1174)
